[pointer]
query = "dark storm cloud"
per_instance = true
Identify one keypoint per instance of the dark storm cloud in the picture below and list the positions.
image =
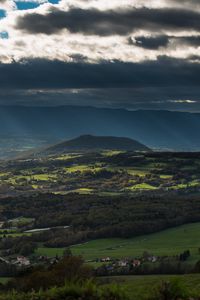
(105, 23)
(40, 73)
(152, 43)
(155, 42)
(147, 85)
(191, 40)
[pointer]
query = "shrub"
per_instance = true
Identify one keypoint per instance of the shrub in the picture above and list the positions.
(171, 290)
(114, 292)
(72, 291)
(69, 268)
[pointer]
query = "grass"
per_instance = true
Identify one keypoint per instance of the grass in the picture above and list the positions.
(21, 179)
(43, 177)
(82, 168)
(35, 186)
(67, 157)
(110, 153)
(142, 186)
(82, 191)
(184, 186)
(169, 242)
(142, 287)
(4, 280)
(137, 171)
(166, 176)
(21, 221)
(4, 174)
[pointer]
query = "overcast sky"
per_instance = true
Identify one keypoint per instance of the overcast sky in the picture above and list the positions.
(135, 54)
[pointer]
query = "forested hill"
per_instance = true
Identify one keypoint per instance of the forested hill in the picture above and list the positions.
(91, 143)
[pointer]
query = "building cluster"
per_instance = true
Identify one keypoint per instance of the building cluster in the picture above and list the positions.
(135, 262)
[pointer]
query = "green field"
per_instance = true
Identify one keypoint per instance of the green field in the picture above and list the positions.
(169, 242)
(142, 287)
(142, 186)
(4, 280)
(20, 221)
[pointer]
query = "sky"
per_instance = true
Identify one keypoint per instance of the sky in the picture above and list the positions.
(133, 54)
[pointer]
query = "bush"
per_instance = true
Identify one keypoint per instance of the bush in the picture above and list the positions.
(72, 291)
(70, 268)
(171, 290)
(114, 292)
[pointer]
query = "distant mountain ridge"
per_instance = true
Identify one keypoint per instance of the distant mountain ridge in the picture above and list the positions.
(92, 143)
(156, 129)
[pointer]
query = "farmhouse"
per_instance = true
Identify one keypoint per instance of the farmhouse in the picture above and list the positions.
(122, 263)
(136, 263)
(22, 261)
(106, 259)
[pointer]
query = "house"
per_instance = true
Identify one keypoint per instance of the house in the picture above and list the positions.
(106, 259)
(122, 263)
(43, 258)
(54, 260)
(136, 263)
(22, 261)
(152, 259)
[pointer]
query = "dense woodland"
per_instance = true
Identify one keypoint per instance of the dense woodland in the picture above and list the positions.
(92, 216)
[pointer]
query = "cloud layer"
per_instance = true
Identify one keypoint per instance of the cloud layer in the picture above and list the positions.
(111, 22)
(40, 73)
(72, 47)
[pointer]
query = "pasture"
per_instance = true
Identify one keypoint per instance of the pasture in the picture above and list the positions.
(168, 242)
(143, 287)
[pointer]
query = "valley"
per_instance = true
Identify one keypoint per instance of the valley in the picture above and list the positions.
(129, 213)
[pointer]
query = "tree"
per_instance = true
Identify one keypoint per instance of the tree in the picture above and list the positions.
(171, 290)
(67, 252)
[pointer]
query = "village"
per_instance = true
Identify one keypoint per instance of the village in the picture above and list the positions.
(137, 265)
(102, 266)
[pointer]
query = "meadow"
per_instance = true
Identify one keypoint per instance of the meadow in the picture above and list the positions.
(168, 242)
(143, 287)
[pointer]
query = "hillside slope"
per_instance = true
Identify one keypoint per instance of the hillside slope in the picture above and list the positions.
(91, 143)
